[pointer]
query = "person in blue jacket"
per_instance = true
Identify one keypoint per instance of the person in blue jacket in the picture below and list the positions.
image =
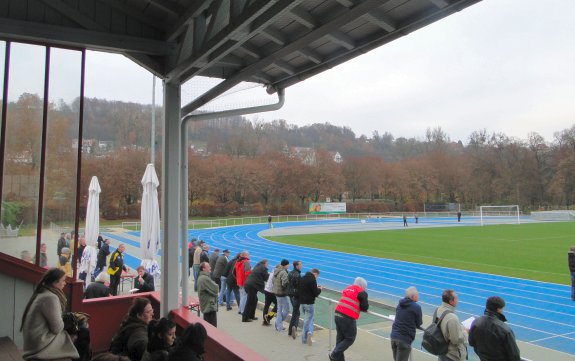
(408, 318)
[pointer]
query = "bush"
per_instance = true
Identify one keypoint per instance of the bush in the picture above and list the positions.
(12, 213)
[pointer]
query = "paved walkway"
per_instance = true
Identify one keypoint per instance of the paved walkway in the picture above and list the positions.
(278, 346)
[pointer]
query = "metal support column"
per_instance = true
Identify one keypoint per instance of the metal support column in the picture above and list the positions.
(170, 198)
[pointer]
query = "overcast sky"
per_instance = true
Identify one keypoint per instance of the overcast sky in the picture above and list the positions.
(503, 65)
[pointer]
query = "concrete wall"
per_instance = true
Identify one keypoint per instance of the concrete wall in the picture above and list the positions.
(14, 295)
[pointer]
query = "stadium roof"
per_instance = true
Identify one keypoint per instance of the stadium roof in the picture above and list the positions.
(274, 42)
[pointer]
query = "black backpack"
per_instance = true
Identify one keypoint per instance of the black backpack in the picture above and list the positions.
(433, 340)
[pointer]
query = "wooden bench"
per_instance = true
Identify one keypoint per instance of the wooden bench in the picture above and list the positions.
(9, 351)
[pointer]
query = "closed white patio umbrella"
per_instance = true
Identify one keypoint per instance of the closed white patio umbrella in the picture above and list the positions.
(150, 219)
(92, 230)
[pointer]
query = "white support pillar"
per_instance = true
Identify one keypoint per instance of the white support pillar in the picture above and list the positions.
(170, 198)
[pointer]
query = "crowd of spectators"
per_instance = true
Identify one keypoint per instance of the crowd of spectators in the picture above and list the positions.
(220, 280)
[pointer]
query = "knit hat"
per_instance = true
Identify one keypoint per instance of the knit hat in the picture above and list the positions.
(284, 262)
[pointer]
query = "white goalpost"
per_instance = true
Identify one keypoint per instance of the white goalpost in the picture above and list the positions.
(499, 214)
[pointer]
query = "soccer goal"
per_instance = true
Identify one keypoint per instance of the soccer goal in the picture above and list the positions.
(499, 214)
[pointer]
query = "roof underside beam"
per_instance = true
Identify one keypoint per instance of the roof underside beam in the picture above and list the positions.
(369, 43)
(318, 33)
(59, 35)
(256, 17)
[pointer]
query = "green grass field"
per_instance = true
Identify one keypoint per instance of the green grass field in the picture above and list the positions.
(536, 251)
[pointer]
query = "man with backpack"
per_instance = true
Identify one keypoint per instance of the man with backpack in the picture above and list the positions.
(408, 318)
(451, 328)
(293, 293)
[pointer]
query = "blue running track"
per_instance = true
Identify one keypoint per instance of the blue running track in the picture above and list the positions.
(539, 313)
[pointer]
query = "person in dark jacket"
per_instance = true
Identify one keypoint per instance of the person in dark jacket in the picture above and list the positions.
(101, 258)
(256, 282)
(191, 345)
(161, 337)
(492, 339)
(144, 282)
(571, 259)
(62, 243)
(115, 268)
(132, 338)
(294, 278)
(212, 261)
(100, 241)
(218, 276)
(308, 292)
(98, 288)
(205, 256)
(231, 284)
(408, 318)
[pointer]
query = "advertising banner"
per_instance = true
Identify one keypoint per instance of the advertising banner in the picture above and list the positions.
(326, 208)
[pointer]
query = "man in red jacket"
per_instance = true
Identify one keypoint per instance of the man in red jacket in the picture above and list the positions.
(353, 300)
(243, 270)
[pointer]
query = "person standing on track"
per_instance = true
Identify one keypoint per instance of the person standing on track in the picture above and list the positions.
(571, 259)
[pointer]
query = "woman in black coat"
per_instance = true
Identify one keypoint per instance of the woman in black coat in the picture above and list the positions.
(191, 344)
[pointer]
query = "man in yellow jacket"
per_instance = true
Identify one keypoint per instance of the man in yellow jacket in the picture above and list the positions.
(116, 267)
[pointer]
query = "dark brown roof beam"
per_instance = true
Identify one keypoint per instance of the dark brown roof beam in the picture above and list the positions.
(305, 18)
(341, 39)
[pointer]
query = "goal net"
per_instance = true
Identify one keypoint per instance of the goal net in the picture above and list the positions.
(499, 214)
